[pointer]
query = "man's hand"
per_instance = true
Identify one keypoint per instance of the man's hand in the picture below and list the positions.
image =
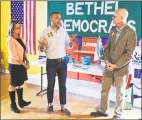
(112, 67)
(107, 64)
(42, 45)
(73, 37)
(40, 48)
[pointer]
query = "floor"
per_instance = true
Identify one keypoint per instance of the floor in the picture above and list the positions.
(80, 106)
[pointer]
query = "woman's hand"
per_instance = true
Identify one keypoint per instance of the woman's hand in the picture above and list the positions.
(27, 66)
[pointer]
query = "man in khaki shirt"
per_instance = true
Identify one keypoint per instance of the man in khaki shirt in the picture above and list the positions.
(117, 55)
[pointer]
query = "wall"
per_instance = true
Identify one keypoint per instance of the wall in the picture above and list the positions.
(41, 22)
(5, 18)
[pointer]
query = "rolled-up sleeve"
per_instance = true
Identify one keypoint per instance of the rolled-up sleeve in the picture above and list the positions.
(11, 49)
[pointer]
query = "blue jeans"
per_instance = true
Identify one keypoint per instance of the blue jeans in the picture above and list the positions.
(60, 67)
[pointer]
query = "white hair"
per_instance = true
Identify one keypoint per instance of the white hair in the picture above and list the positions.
(124, 13)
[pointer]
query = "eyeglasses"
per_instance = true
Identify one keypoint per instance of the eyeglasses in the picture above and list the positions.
(114, 16)
(17, 28)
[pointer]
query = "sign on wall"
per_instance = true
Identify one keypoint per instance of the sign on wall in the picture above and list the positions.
(93, 18)
(89, 44)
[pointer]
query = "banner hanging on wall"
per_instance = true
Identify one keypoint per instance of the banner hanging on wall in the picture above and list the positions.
(93, 18)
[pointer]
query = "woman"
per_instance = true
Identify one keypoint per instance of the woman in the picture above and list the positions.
(18, 65)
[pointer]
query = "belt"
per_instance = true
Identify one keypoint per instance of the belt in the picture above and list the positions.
(57, 60)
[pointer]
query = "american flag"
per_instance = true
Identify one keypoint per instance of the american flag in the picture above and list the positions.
(25, 13)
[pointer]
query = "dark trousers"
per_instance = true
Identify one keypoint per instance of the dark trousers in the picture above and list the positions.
(58, 66)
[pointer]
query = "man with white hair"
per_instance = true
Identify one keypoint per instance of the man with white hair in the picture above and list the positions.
(117, 55)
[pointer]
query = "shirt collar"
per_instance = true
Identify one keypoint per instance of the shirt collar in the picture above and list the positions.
(119, 29)
(52, 28)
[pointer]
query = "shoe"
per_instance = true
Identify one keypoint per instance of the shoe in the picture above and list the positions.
(13, 105)
(14, 108)
(116, 117)
(50, 109)
(65, 111)
(98, 114)
(21, 102)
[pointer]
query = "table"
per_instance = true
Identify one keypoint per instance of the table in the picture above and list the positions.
(42, 64)
(93, 69)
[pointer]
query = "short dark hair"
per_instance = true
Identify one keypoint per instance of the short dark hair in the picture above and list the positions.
(11, 26)
(53, 13)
